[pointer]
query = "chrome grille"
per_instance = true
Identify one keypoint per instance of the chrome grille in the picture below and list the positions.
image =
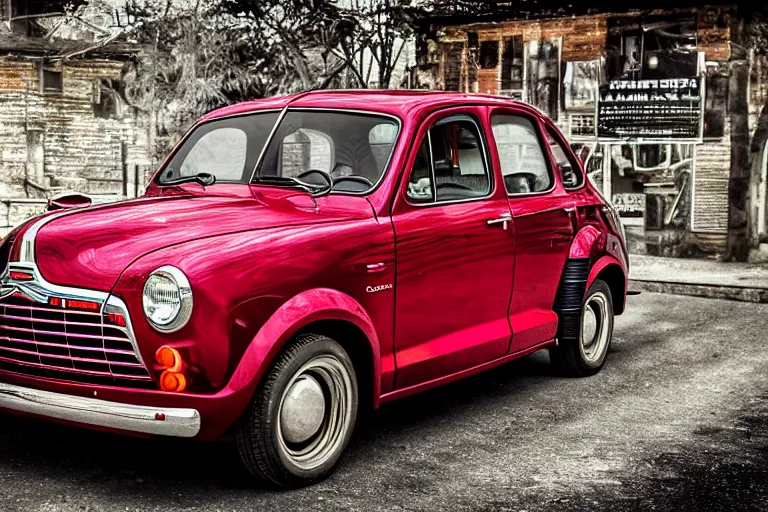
(76, 345)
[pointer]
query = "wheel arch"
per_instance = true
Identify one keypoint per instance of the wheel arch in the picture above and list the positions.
(609, 270)
(358, 347)
(321, 311)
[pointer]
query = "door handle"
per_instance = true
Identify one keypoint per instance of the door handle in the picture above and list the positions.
(504, 220)
(571, 213)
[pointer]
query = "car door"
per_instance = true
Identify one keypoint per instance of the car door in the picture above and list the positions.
(454, 248)
(543, 215)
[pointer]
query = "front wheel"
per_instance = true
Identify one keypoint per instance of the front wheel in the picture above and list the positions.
(586, 355)
(302, 415)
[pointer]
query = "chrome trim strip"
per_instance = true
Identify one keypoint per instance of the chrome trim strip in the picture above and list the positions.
(63, 334)
(92, 373)
(27, 252)
(120, 307)
(60, 345)
(39, 289)
(67, 357)
(92, 411)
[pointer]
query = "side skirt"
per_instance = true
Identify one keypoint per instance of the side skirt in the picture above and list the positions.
(418, 388)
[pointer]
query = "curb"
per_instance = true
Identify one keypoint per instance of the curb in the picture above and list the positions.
(712, 291)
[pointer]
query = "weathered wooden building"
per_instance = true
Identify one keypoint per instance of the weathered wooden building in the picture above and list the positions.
(643, 96)
(63, 122)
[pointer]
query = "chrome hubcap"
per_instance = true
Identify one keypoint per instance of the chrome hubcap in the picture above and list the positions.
(316, 413)
(595, 327)
(589, 327)
(303, 410)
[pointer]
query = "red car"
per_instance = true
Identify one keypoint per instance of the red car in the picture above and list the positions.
(297, 260)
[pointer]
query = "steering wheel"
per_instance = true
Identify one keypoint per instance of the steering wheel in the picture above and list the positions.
(339, 168)
(355, 179)
(454, 185)
(324, 175)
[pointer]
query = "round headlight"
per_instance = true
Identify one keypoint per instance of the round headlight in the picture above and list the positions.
(167, 299)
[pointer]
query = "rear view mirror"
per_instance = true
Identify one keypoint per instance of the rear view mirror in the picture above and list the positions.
(68, 200)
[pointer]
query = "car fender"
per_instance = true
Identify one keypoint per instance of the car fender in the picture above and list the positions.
(619, 303)
(301, 310)
(600, 265)
(584, 242)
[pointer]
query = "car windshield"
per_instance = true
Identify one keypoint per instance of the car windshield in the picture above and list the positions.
(353, 148)
(227, 148)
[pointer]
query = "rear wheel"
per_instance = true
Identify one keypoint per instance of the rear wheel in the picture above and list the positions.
(303, 414)
(586, 355)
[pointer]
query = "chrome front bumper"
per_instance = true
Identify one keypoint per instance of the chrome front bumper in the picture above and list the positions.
(91, 411)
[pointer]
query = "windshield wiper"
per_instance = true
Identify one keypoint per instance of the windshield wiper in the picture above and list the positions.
(284, 181)
(202, 178)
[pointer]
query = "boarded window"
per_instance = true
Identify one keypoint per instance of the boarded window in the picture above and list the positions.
(452, 53)
(654, 47)
(543, 76)
(51, 81)
(716, 101)
(512, 64)
(489, 54)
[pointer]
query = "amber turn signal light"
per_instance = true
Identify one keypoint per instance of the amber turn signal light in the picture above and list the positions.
(169, 358)
(172, 381)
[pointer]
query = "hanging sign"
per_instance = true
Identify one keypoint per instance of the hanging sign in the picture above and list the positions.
(650, 109)
(629, 205)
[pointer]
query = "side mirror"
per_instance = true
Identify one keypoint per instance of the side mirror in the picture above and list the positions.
(68, 200)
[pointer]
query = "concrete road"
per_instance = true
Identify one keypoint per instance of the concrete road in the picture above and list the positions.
(677, 420)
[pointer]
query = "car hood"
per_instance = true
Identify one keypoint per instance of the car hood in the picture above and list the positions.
(89, 248)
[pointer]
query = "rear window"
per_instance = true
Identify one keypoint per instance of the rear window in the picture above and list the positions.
(523, 162)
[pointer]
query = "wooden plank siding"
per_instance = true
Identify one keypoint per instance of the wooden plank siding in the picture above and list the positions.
(56, 139)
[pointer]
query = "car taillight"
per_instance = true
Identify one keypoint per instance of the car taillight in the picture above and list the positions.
(615, 221)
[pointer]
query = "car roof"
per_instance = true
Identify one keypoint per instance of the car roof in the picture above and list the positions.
(402, 103)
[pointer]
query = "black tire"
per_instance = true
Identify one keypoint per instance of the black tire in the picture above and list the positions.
(570, 357)
(263, 449)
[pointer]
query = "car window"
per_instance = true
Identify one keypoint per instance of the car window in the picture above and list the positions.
(306, 149)
(450, 164)
(227, 148)
(522, 159)
(420, 183)
(343, 144)
(382, 140)
(570, 171)
(458, 160)
(222, 151)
